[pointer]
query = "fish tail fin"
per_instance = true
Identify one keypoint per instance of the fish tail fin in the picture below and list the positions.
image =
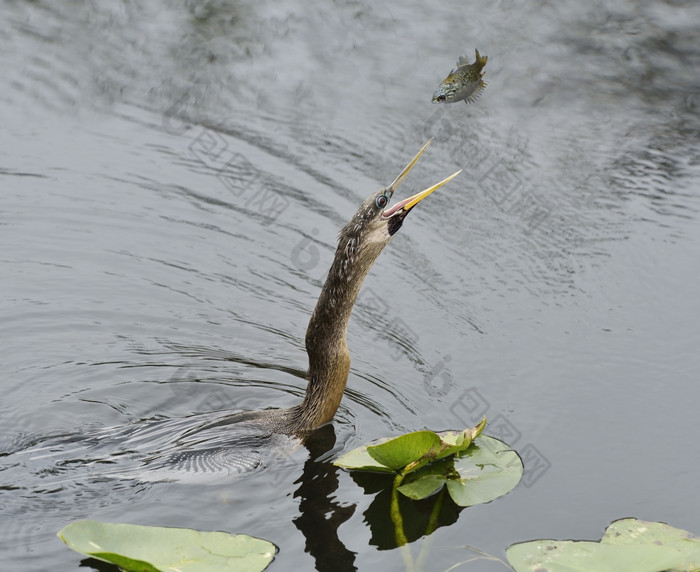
(481, 60)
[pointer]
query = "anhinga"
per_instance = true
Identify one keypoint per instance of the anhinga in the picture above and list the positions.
(225, 443)
(360, 242)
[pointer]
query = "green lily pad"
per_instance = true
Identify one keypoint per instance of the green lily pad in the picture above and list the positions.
(408, 452)
(633, 531)
(482, 473)
(428, 479)
(475, 471)
(581, 556)
(360, 460)
(628, 545)
(487, 470)
(159, 549)
(403, 450)
(423, 487)
(462, 439)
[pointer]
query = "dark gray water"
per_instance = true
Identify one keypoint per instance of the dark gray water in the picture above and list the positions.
(173, 180)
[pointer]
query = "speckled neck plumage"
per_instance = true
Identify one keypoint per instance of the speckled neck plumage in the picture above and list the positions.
(329, 358)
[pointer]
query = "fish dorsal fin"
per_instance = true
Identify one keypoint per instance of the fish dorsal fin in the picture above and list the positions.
(462, 61)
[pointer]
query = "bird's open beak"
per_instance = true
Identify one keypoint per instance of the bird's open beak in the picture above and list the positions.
(407, 204)
(410, 202)
(407, 169)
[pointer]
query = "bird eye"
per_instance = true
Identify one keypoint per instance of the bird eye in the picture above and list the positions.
(382, 201)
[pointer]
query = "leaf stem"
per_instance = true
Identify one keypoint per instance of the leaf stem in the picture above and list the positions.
(397, 519)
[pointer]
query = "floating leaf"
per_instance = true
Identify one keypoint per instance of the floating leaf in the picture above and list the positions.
(580, 556)
(400, 451)
(487, 470)
(427, 480)
(629, 545)
(159, 549)
(633, 531)
(464, 438)
(409, 452)
(423, 487)
(360, 460)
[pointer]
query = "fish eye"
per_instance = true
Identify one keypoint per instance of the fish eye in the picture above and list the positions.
(382, 201)
(441, 98)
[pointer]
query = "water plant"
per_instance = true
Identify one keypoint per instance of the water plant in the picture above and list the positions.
(138, 548)
(472, 468)
(628, 545)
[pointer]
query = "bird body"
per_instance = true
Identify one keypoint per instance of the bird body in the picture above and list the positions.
(360, 243)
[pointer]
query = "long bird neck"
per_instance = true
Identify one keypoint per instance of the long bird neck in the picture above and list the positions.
(329, 358)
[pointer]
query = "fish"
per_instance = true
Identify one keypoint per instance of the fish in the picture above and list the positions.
(464, 83)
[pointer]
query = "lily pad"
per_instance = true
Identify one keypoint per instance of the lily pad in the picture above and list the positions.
(629, 545)
(487, 470)
(159, 549)
(428, 479)
(633, 531)
(399, 452)
(360, 460)
(408, 452)
(581, 556)
(483, 472)
(423, 487)
(462, 439)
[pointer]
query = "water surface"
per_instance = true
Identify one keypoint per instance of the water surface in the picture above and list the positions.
(173, 181)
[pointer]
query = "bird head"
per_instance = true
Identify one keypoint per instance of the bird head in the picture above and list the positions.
(376, 222)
